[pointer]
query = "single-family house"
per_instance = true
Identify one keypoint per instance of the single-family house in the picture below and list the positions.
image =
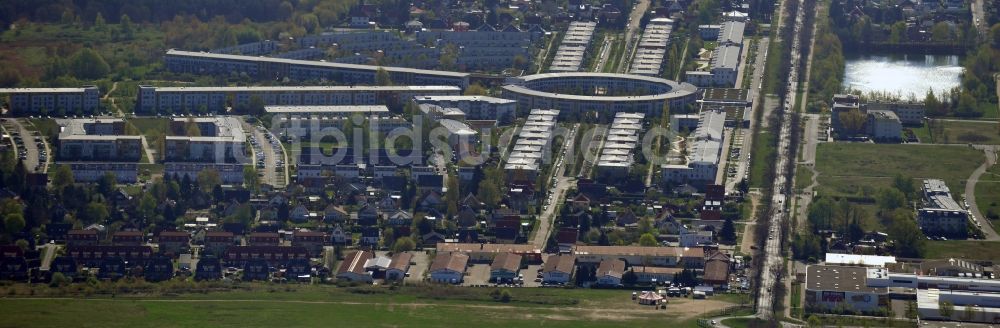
(610, 272)
(558, 269)
(334, 213)
(505, 267)
(370, 236)
(208, 268)
(448, 268)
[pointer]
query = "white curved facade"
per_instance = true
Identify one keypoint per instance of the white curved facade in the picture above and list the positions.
(548, 91)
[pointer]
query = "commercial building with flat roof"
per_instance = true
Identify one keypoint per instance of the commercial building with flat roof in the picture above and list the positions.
(704, 154)
(53, 101)
(842, 287)
(302, 70)
(176, 99)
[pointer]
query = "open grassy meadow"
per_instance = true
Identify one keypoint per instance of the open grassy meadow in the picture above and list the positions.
(988, 194)
(959, 132)
(317, 305)
(965, 249)
(861, 169)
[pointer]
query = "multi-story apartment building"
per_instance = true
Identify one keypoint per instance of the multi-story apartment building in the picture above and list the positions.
(302, 70)
(221, 140)
(475, 107)
(40, 101)
(174, 99)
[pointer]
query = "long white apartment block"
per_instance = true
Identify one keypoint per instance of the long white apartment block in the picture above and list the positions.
(617, 155)
(475, 107)
(573, 49)
(652, 47)
(533, 143)
(704, 152)
(268, 68)
(173, 99)
(305, 121)
(53, 101)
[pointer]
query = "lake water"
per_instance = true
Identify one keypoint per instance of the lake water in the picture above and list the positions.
(902, 74)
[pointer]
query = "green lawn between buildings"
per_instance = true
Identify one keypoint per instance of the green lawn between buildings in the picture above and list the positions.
(326, 305)
(965, 249)
(861, 169)
(988, 195)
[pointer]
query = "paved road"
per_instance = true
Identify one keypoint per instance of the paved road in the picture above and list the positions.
(558, 189)
(979, 17)
(772, 267)
(602, 58)
(970, 194)
(634, 18)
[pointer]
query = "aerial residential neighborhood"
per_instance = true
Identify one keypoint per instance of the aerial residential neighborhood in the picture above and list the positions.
(585, 163)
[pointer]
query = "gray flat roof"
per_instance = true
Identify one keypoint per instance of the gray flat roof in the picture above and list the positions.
(839, 278)
(676, 89)
(174, 52)
(488, 99)
(44, 90)
(318, 88)
(326, 109)
(726, 57)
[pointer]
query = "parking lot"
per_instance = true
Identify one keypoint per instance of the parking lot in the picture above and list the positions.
(30, 146)
(477, 275)
(418, 266)
(268, 155)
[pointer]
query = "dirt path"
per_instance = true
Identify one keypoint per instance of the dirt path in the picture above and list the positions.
(748, 229)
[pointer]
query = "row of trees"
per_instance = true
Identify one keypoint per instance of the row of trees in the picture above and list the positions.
(154, 11)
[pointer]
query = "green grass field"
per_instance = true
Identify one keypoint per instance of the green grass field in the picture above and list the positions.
(861, 169)
(803, 177)
(763, 152)
(321, 305)
(988, 194)
(966, 249)
(959, 132)
(151, 126)
(741, 322)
